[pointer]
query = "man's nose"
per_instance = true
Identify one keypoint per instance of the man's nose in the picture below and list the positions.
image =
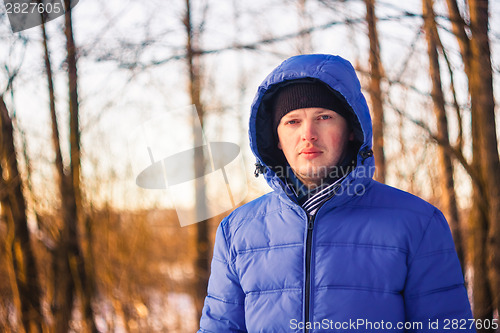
(309, 131)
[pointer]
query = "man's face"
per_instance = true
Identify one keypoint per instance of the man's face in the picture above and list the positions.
(313, 141)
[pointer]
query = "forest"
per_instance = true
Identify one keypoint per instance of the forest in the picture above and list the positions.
(84, 96)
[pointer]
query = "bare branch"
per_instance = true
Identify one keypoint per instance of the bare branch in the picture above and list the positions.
(454, 151)
(266, 41)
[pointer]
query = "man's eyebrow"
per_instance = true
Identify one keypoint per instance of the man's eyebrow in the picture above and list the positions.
(323, 111)
(292, 114)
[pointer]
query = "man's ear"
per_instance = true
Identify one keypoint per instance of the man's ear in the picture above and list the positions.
(279, 146)
(351, 136)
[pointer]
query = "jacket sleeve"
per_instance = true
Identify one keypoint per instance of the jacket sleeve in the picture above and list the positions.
(224, 305)
(434, 293)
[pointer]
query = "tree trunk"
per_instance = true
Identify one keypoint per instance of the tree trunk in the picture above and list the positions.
(202, 261)
(52, 102)
(484, 217)
(59, 174)
(478, 229)
(459, 30)
(77, 260)
(445, 161)
(376, 71)
(304, 43)
(63, 286)
(482, 79)
(13, 202)
(70, 270)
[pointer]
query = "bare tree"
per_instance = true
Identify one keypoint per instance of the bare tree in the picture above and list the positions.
(375, 91)
(304, 43)
(445, 160)
(26, 286)
(485, 216)
(71, 275)
(202, 261)
(481, 81)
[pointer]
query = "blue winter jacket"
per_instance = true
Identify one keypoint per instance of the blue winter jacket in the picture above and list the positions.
(373, 259)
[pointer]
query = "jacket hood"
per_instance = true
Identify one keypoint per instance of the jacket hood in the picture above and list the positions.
(339, 75)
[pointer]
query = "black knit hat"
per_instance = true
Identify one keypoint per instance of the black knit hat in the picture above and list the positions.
(306, 95)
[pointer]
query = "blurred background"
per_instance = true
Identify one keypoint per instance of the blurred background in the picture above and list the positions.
(85, 249)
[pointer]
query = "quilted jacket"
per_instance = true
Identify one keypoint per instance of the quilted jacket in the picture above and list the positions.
(372, 259)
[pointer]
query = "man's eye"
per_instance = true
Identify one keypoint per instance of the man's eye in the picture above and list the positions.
(291, 122)
(325, 117)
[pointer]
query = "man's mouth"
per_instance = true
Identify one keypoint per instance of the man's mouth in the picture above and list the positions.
(310, 153)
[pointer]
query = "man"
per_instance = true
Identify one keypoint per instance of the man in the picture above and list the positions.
(329, 249)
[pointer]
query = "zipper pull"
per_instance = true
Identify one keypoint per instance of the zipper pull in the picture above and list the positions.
(310, 223)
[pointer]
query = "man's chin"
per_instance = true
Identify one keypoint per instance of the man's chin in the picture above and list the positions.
(313, 176)
(315, 172)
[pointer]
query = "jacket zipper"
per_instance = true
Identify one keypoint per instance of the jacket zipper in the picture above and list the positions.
(310, 227)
